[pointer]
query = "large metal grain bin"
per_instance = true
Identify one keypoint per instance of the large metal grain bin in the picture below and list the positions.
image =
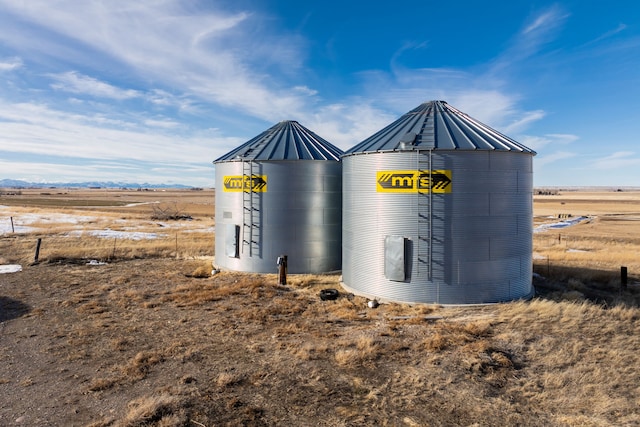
(437, 208)
(279, 193)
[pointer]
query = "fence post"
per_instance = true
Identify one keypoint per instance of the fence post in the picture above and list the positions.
(35, 259)
(282, 270)
(13, 230)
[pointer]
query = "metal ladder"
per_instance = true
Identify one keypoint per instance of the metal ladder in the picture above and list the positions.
(424, 159)
(425, 213)
(250, 209)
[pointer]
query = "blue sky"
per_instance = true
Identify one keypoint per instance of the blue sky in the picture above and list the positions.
(154, 90)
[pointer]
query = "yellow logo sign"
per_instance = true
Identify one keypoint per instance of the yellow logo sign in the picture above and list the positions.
(254, 183)
(411, 181)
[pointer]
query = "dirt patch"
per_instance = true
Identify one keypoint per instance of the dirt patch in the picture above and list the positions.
(148, 342)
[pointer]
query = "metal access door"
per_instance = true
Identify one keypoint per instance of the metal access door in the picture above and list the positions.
(395, 258)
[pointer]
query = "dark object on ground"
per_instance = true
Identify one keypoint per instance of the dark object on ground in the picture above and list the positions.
(329, 294)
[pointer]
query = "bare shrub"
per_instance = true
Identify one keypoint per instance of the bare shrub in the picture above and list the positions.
(99, 384)
(167, 212)
(346, 357)
(202, 271)
(436, 342)
(227, 379)
(164, 410)
(138, 367)
(310, 351)
(367, 346)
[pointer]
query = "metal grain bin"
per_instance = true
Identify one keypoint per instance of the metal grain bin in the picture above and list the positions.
(437, 208)
(279, 193)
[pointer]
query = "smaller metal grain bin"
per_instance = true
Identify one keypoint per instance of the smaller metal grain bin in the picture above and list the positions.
(437, 208)
(279, 193)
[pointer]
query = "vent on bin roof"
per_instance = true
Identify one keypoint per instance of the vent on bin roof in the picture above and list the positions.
(437, 125)
(287, 140)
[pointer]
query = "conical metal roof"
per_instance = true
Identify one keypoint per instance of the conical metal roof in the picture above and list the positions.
(287, 140)
(436, 125)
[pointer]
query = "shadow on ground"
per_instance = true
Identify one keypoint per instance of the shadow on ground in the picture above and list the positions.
(597, 286)
(11, 308)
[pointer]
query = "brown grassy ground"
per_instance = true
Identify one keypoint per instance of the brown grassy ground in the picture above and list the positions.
(150, 339)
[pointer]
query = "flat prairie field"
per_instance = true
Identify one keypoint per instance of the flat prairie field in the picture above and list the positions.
(121, 323)
(587, 235)
(198, 202)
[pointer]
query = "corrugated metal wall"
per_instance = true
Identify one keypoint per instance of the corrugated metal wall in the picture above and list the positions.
(472, 244)
(298, 214)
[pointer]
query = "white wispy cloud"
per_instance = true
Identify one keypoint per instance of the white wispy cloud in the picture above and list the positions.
(524, 120)
(163, 98)
(541, 28)
(563, 138)
(491, 107)
(540, 161)
(542, 21)
(209, 53)
(10, 64)
(534, 142)
(305, 90)
(553, 139)
(203, 61)
(45, 131)
(486, 92)
(49, 170)
(618, 160)
(220, 57)
(346, 124)
(162, 123)
(620, 28)
(74, 82)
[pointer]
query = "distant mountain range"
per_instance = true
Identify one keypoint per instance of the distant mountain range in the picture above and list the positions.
(16, 183)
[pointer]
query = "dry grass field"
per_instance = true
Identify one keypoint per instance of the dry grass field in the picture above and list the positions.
(128, 328)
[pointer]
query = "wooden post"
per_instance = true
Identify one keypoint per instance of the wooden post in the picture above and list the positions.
(13, 230)
(282, 270)
(623, 277)
(35, 259)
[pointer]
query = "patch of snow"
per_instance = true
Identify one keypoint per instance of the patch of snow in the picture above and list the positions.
(131, 235)
(22, 223)
(201, 230)
(176, 224)
(130, 205)
(5, 227)
(559, 225)
(538, 256)
(53, 218)
(10, 268)
(96, 262)
(27, 223)
(576, 250)
(115, 234)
